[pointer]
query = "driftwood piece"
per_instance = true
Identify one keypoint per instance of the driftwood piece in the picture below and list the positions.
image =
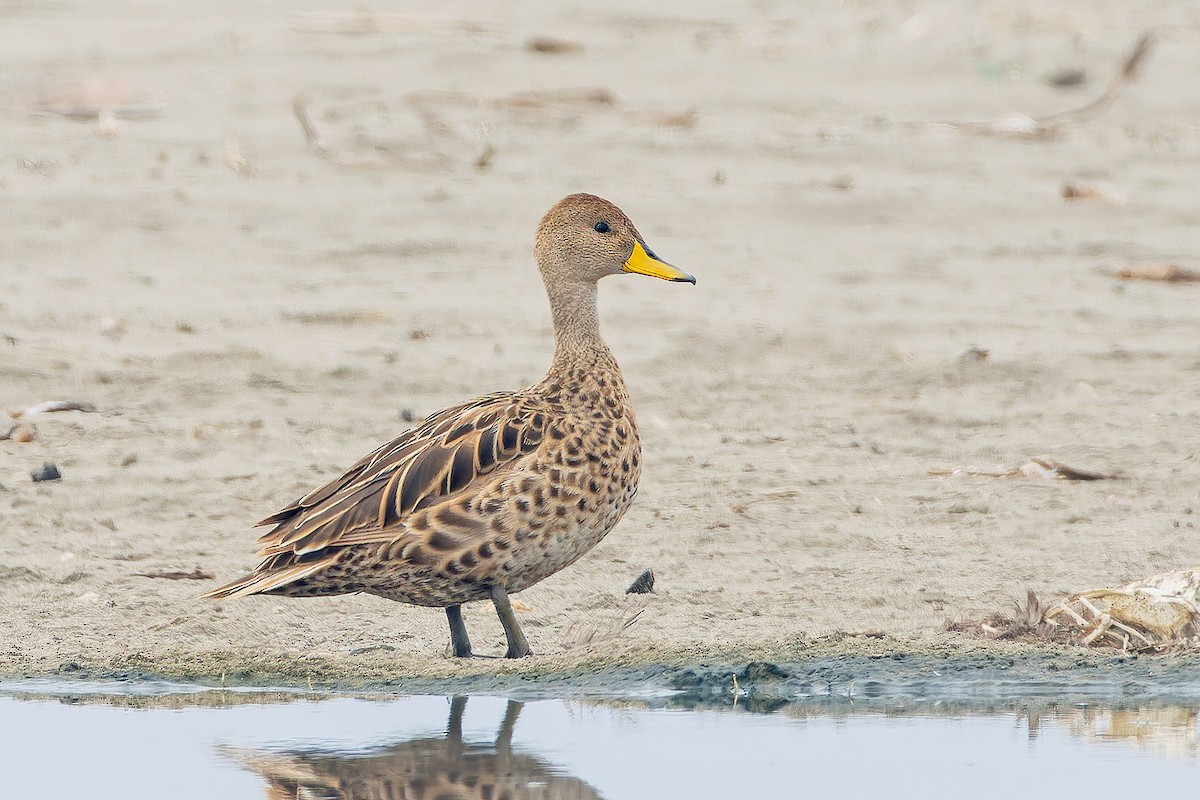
(1020, 125)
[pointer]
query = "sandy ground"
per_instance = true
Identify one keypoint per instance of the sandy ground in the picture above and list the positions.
(253, 316)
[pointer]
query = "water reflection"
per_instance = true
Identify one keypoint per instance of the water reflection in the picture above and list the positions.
(1163, 732)
(445, 767)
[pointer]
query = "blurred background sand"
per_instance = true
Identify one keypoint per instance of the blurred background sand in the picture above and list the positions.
(879, 297)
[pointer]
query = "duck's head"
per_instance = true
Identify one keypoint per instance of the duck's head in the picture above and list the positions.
(585, 238)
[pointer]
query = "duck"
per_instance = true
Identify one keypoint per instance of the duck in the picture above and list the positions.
(486, 498)
(447, 766)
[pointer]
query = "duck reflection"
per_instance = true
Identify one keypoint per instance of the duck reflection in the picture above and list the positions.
(443, 768)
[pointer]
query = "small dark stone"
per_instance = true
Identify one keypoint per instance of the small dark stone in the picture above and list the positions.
(48, 472)
(407, 415)
(1067, 78)
(643, 584)
(763, 671)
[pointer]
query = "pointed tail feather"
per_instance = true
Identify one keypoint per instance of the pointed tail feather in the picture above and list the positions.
(267, 580)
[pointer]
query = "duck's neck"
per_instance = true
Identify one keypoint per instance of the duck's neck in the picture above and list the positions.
(577, 339)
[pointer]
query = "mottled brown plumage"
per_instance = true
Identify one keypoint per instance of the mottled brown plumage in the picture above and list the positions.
(491, 496)
(428, 768)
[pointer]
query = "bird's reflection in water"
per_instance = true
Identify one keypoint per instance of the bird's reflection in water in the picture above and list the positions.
(444, 768)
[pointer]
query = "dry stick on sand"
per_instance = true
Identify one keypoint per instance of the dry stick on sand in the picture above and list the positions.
(364, 21)
(56, 405)
(1036, 468)
(317, 144)
(1025, 126)
(177, 575)
(779, 494)
(423, 103)
(300, 109)
(1164, 271)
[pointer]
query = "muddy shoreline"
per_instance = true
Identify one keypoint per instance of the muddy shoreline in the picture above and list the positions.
(878, 677)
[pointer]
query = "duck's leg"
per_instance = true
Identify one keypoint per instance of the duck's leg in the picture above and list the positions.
(454, 736)
(518, 646)
(504, 736)
(458, 632)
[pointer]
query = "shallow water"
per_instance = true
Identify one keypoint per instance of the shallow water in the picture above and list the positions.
(277, 745)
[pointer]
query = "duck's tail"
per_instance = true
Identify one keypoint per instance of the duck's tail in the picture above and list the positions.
(270, 578)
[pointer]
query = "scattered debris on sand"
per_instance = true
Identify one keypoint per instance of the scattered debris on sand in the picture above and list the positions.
(53, 406)
(363, 21)
(643, 584)
(1104, 193)
(21, 432)
(1036, 468)
(581, 634)
(177, 575)
(552, 45)
(1164, 271)
(47, 472)
(1024, 126)
(1155, 615)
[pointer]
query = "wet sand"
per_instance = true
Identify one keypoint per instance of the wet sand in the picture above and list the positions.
(252, 315)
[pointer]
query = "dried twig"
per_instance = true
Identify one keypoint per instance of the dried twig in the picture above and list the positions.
(1035, 468)
(1061, 470)
(177, 575)
(1125, 75)
(538, 98)
(85, 113)
(485, 158)
(1073, 192)
(365, 21)
(236, 160)
(781, 494)
(51, 406)
(1166, 271)
(1026, 126)
(552, 45)
(348, 317)
(311, 137)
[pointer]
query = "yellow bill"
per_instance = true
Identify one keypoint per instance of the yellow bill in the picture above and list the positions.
(644, 262)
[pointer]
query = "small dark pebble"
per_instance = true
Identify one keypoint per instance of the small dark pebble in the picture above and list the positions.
(407, 415)
(549, 44)
(1067, 78)
(763, 671)
(643, 584)
(48, 472)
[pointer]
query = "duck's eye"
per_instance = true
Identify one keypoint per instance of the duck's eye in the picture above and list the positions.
(602, 227)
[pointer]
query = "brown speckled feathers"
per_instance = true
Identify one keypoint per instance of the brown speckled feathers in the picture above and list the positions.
(497, 493)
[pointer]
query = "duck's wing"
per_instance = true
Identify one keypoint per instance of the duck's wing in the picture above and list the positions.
(449, 454)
